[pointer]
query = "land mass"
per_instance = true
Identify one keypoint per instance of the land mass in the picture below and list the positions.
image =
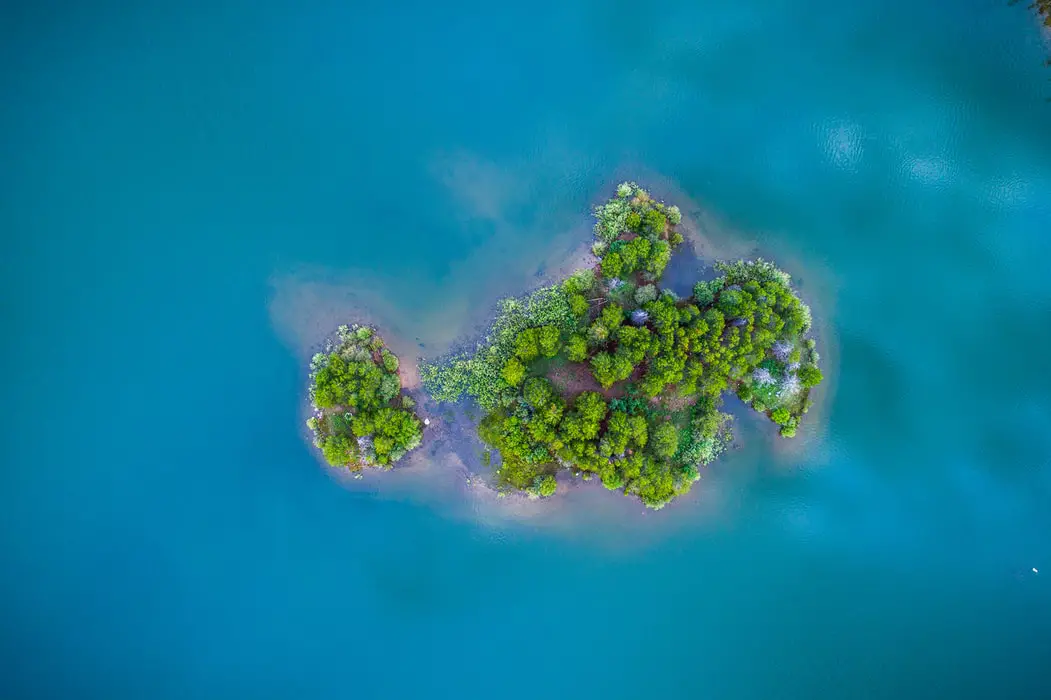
(611, 376)
(360, 416)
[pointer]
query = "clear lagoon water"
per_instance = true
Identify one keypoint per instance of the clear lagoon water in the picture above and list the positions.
(193, 194)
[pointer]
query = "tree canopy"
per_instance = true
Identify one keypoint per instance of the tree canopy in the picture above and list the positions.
(360, 417)
(660, 364)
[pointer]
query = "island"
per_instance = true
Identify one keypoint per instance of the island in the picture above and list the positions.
(360, 417)
(608, 375)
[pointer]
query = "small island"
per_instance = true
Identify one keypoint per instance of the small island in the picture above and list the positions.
(360, 416)
(610, 376)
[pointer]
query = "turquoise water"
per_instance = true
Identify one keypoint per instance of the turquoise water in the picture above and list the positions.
(195, 193)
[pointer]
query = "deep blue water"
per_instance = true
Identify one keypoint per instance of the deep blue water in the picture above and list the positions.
(193, 193)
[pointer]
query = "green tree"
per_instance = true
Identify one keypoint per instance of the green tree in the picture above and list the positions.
(612, 316)
(546, 486)
(810, 375)
(664, 440)
(576, 348)
(612, 265)
(513, 372)
(654, 221)
(390, 360)
(781, 416)
(603, 370)
(339, 450)
(633, 222)
(526, 346)
(645, 294)
(548, 340)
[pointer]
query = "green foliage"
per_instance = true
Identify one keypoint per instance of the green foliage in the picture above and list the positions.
(609, 369)
(665, 440)
(548, 340)
(390, 360)
(645, 294)
(545, 486)
(479, 374)
(654, 221)
(738, 332)
(577, 348)
(744, 392)
(612, 265)
(353, 389)
(633, 222)
(527, 348)
(513, 372)
(810, 375)
(339, 450)
(397, 432)
(578, 304)
(611, 317)
(580, 282)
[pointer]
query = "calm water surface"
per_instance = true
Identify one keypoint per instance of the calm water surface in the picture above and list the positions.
(194, 193)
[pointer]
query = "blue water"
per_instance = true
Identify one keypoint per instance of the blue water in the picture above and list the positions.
(193, 193)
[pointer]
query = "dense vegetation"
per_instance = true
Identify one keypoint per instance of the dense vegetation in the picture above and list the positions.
(360, 419)
(610, 376)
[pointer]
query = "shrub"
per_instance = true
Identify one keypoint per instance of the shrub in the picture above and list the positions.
(353, 394)
(576, 348)
(546, 486)
(664, 440)
(645, 294)
(654, 221)
(548, 340)
(612, 265)
(810, 375)
(513, 372)
(703, 294)
(390, 360)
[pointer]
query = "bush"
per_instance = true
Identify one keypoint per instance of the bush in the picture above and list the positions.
(390, 360)
(353, 395)
(664, 440)
(612, 265)
(810, 375)
(703, 294)
(548, 340)
(645, 294)
(513, 372)
(654, 221)
(576, 348)
(692, 350)
(546, 486)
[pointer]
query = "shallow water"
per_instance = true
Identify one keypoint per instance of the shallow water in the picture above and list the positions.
(194, 195)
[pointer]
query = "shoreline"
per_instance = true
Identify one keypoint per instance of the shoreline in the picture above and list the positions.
(448, 466)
